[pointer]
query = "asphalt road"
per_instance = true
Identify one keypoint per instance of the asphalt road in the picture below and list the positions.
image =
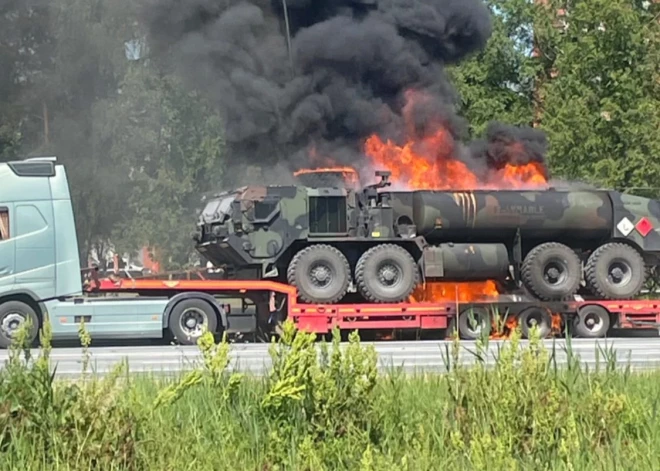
(639, 353)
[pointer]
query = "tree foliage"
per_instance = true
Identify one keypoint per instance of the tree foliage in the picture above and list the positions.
(498, 82)
(138, 147)
(600, 91)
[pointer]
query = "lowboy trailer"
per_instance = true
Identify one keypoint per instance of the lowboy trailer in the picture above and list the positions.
(40, 279)
(265, 303)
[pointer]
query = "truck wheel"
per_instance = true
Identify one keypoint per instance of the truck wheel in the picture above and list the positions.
(12, 315)
(615, 271)
(535, 316)
(189, 317)
(552, 271)
(386, 273)
(591, 322)
(472, 322)
(320, 273)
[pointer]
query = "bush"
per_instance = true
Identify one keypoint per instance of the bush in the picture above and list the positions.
(327, 408)
(87, 425)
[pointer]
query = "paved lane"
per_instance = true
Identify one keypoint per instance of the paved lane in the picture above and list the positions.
(411, 356)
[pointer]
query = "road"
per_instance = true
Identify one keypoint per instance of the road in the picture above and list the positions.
(412, 356)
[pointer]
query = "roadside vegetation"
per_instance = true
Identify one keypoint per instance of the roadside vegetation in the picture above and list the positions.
(331, 411)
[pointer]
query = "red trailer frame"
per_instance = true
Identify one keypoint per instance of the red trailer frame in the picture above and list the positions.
(321, 319)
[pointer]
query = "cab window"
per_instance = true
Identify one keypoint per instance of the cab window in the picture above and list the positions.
(4, 224)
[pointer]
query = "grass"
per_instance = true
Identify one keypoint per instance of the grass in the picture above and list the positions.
(331, 411)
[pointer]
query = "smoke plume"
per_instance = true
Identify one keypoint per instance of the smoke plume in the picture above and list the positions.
(352, 66)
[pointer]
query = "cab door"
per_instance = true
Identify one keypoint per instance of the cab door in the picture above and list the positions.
(7, 248)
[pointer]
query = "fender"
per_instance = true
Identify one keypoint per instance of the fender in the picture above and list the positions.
(40, 304)
(222, 315)
(21, 292)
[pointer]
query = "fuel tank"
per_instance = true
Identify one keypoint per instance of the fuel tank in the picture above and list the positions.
(494, 216)
(466, 262)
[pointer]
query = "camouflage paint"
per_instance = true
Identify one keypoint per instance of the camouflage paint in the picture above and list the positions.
(494, 216)
(263, 223)
(465, 262)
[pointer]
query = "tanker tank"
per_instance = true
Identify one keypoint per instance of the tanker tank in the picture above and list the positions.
(581, 217)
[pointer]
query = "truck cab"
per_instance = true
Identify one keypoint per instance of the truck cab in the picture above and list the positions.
(39, 258)
(40, 275)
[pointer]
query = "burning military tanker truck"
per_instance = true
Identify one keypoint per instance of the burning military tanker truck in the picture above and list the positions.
(330, 240)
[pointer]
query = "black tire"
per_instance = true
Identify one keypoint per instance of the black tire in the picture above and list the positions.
(12, 315)
(327, 261)
(591, 322)
(370, 274)
(615, 271)
(473, 321)
(187, 319)
(552, 272)
(535, 316)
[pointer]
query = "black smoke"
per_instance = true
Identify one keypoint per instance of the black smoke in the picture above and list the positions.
(351, 64)
(510, 144)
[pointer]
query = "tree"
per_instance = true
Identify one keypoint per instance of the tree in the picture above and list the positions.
(497, 84)
(25, 49)
(172, 142)
(600, 91)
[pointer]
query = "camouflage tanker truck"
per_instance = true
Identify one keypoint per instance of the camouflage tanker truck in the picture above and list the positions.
(331, 240)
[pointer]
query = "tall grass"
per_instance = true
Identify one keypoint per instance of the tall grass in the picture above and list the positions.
(330, 411)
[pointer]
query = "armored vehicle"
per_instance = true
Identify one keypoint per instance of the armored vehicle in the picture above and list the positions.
(329, 240)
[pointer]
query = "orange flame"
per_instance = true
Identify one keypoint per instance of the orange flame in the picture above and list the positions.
(455, 292)
(430, 162)
(428, 165)
(503, 330)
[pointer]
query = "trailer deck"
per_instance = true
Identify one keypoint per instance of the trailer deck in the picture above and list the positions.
(274, 297)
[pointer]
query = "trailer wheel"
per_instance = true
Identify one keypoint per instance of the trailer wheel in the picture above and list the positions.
(320, 273)
(552, 271)
(13, 315)
(386, 273)
(188, 319)
(615, 271)
(591, 322)
(473, 321)
(535, 316)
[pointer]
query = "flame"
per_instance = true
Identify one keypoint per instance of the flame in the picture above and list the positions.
(430, 162)
(428, 165)
(439, 291)
(504, 328)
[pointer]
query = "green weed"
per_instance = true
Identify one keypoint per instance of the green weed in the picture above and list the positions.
(326, 407)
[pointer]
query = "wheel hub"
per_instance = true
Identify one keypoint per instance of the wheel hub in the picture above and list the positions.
(12, 322)
(193, 320)
(321, 275)
(388, 274)
(475, 323)
(620, 272)
(532, 321)
(555, 272)
(592, 321)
